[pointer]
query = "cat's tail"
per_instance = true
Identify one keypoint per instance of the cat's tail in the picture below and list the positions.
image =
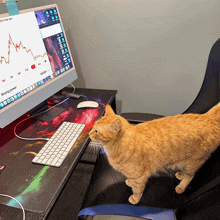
(214, 112)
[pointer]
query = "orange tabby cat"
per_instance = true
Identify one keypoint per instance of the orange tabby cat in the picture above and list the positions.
(185, 141)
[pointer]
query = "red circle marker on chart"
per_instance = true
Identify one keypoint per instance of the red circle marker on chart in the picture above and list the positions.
(33, 66)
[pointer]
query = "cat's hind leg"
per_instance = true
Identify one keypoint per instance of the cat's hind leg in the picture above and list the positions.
(187, 175)
(179, 175)
(185, 180)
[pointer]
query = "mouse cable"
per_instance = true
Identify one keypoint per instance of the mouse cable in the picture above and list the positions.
(17, 202)
(45, 139)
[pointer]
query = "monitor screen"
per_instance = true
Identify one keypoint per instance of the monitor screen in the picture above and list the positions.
(35, 60)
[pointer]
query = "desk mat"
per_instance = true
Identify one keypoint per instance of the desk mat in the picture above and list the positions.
(35, 186)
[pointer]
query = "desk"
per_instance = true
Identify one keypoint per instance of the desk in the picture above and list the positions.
(35, 186)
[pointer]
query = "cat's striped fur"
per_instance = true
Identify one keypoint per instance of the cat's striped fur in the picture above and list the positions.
(185, 141)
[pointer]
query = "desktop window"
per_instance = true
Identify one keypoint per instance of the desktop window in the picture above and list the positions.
(33, 51)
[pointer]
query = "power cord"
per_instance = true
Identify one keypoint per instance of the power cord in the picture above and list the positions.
(45, 139)
(73, 87)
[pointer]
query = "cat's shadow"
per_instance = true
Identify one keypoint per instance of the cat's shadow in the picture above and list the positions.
(159, 191)
(109, 186)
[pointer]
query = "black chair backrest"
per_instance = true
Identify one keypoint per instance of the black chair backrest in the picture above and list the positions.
(209, 94)
(204, 189)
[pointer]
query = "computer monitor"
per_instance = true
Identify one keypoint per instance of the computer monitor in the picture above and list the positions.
(35, 60)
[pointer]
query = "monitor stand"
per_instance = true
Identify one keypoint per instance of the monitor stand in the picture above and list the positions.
(51, 101)
(51, 114)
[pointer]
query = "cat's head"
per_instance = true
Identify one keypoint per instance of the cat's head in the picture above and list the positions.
(108, 127)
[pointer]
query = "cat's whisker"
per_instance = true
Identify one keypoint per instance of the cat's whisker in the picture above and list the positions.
(94, 147)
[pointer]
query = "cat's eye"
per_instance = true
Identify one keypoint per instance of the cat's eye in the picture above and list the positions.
(96, 131)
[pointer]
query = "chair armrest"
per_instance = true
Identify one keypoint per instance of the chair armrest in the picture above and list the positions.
(136, 118)
(117, 217)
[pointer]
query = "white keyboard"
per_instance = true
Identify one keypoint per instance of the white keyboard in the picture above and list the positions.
(57, 148)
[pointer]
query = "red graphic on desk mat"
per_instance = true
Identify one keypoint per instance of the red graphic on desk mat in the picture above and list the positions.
(88, 118)
(17, 48)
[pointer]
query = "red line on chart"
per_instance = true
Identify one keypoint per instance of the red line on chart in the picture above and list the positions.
(17, 46)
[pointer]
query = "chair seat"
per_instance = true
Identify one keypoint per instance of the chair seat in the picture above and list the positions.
(107, 191)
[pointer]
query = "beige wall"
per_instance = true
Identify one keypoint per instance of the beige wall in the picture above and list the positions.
(154, 52)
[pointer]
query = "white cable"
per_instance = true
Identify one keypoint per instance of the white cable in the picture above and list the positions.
(33, 139)
(73, 87)
(45, 139)
(17, 202)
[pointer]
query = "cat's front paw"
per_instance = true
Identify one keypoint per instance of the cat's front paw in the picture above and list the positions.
(133, 200)
(127, 182)
(179, 189)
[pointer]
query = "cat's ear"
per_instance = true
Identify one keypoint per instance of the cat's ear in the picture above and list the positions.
(109, 110)
(116, 126)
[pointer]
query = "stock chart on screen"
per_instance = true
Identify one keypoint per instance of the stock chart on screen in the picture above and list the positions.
(33, 50)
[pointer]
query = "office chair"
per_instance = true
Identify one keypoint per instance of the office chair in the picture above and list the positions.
(107, 195)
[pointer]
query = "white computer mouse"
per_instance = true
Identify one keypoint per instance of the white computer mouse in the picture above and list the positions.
(88, 104)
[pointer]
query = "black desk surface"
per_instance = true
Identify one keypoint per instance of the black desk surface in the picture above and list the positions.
(36, 187)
